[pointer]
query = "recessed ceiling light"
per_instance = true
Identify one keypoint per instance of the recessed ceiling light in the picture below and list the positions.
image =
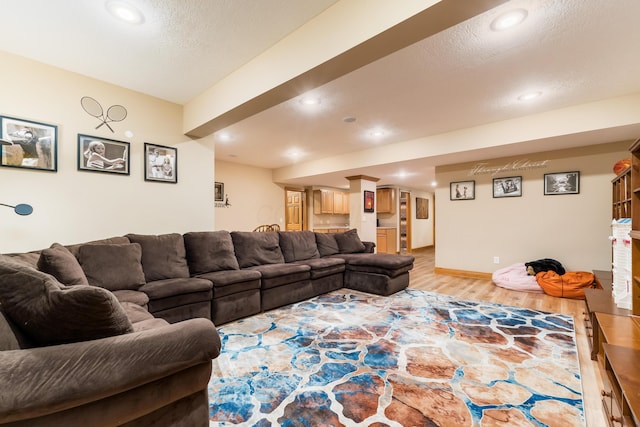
(349, 119)
(529, 96)
(434, 183)
(223, 136)
(509, 20)
(124, 11)
(310, 101)
(377, 133)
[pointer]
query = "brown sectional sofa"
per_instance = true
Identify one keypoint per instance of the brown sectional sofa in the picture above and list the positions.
(151, 365)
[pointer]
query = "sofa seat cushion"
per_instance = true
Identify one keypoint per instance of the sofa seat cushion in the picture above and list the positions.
(112, 266)
(49, 313)
(257, 248)
(274, 275)
(386, 264)
(135, 313)
(136, 297)
(231, 277)
(210, 251)
(163, 256)
(298, 245)
(170, 287)
(322, 267)
(62, 264)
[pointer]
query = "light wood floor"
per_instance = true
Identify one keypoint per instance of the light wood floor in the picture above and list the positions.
(423, 277)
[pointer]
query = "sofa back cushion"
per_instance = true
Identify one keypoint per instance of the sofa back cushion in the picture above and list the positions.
(50, 313)
(349, 242)
(163, 256)
(117, 240)
(298, 245)
(209, 251)
(113, 267)
(61, 264)
(257, 248)
(327, 244)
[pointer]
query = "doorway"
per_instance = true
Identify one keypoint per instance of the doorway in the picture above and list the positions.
(294, 216)
(405, 222)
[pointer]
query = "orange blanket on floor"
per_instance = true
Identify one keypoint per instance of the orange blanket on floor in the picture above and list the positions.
(569, 285)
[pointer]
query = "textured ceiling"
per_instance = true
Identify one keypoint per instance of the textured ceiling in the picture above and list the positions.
(183, 47)
(574, 51)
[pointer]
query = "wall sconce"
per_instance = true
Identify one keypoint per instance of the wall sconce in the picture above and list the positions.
(21, 209)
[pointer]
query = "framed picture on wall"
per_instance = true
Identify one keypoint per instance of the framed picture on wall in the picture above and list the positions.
(161, 163)
(562, 183)
(369, 201)
(97, 154)
(218, 192)
(29, 145)
(422, 208)
(507, 187)
(462, 190)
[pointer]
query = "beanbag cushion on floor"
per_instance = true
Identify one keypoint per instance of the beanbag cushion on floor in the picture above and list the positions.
(569, 285)
(515, 277)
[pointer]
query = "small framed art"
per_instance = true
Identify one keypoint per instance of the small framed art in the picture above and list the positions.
(422, 208)
(161, 163)
(462, 190)
(28, 145)
(507, 187)
(218, 192)
(97, 154)
(561, 183)
(369, 201)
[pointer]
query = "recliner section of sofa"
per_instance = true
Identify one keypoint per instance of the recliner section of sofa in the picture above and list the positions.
(75, 355)
(235, 292)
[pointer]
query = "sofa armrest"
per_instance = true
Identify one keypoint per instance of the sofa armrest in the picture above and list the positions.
(43, 380)
(368, 247)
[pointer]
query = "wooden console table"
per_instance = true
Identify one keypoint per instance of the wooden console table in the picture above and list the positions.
(599, 301)
(621, 385)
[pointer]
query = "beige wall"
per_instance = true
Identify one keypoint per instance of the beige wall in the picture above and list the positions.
(253, 198)
(71, 206)
(572, 229)
(421, 229)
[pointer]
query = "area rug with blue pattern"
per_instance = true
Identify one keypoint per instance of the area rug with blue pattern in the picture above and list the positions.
(414, 358)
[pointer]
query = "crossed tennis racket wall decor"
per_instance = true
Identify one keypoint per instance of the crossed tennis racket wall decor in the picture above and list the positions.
(115, 113)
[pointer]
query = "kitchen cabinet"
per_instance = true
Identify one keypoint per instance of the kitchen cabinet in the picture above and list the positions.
(330, 202)
(386, 200)
(386, 240)
(340, 203)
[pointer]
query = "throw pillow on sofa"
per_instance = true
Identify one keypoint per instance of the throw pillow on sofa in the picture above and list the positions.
(61, 264)
(209, 251)
(50, 313)
(327, 244)
(349, 242)
(113, 267)
(163, 256)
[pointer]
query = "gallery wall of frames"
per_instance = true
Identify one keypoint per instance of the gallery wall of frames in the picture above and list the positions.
(33, 145)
